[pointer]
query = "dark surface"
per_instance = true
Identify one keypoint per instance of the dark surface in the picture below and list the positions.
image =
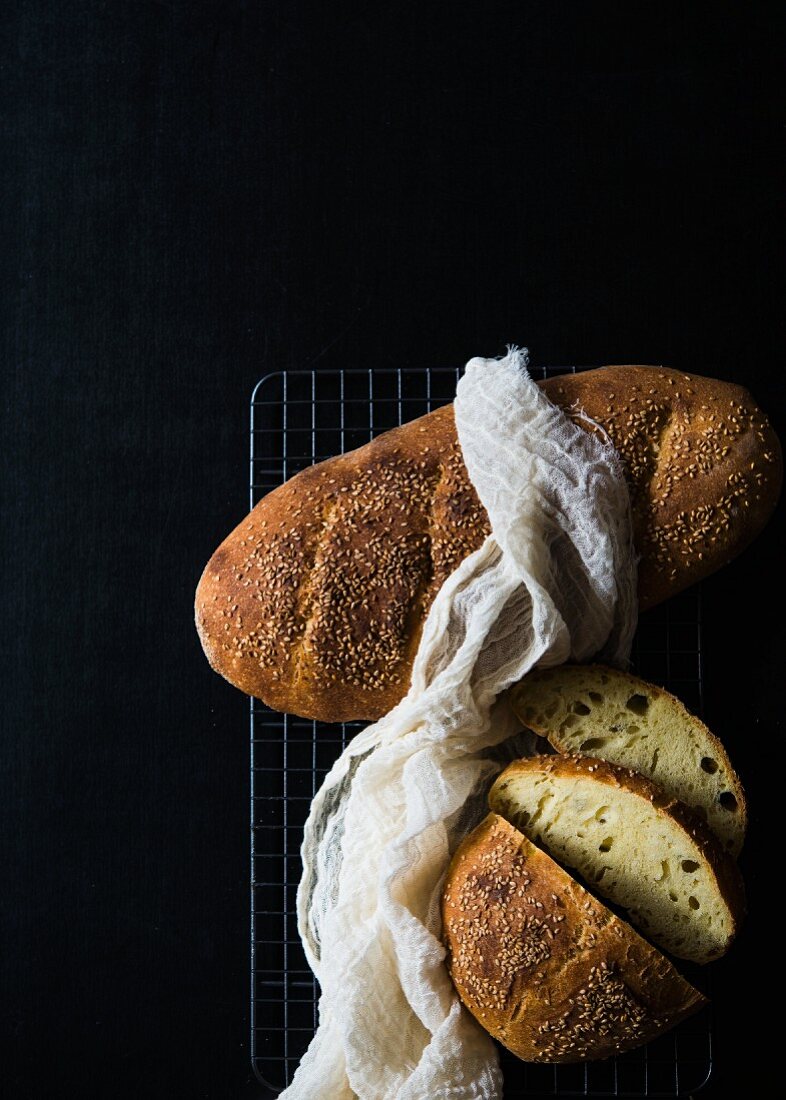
(197, 193)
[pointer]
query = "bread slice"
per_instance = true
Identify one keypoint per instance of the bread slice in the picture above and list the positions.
(632, 843)
(543, 965)
(609, 714)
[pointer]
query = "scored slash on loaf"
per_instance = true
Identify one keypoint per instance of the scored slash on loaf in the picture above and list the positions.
(316, 602)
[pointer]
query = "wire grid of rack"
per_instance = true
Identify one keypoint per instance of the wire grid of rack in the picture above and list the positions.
(302, 417)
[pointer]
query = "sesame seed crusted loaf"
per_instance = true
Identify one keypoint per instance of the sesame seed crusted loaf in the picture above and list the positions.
(316, 601)
(610, 714)
(544, 966)
(634, 844)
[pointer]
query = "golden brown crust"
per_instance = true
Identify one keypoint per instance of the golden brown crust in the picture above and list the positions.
(541, 964)
(702, 461)
(316, 601)
(563, 765)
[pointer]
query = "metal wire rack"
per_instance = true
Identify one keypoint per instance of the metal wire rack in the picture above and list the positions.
(302, 417)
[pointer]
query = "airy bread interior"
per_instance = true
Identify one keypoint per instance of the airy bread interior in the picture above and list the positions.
(605, 713)
(631, 844)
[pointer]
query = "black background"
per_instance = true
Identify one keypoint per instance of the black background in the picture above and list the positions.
(197, 193)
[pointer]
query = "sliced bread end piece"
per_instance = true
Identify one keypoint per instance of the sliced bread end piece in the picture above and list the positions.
(544, 966)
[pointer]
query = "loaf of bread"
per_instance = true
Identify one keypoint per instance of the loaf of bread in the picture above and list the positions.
(546, 968)
(597, 711)
(315, 603)
(633, 844)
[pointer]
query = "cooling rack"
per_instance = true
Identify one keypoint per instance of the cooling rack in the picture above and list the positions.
(302, 417)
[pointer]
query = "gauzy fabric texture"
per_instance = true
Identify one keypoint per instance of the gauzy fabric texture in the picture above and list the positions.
(556, 580)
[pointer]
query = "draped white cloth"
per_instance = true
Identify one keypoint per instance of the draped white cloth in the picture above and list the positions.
(556, 580)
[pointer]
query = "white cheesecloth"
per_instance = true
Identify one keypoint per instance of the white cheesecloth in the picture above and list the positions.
(556, 580)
